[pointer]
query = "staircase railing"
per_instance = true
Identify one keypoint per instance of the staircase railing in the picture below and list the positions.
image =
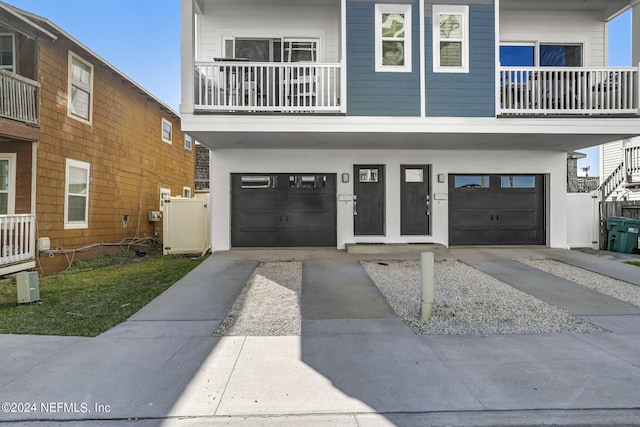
(623, 173)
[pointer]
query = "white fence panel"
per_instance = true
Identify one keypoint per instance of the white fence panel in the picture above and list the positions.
(186, 226)
(583, 219)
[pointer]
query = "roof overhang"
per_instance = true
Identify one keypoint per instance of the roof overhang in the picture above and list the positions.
(608, 8)
(406, 133)
(13, 19)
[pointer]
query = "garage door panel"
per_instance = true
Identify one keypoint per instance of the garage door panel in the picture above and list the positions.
(471, 218)
(496, 209)
(518, 219)
(254, 237)
(274, 210)
(517, 236)
(472, 199)
(470, 236)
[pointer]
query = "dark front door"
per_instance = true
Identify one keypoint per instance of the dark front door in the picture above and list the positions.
(415, 200)
(283, 210)
(496, 210)
(368, 202)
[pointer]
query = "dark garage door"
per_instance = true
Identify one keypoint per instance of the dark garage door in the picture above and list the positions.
(279, 210)
(496, 210)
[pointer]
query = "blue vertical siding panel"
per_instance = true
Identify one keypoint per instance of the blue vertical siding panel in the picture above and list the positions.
(464, 94)
(379, 94)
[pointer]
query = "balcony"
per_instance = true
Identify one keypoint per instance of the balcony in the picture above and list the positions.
(569, 91)
(18, 98)
(17, 243)
(261, 87)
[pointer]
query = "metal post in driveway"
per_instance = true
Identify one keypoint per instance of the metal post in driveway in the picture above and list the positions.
(426, 276)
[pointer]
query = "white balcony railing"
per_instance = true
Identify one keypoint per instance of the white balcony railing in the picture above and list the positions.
(18, 98)
(267, 87)
(564, 90)
(17, 238)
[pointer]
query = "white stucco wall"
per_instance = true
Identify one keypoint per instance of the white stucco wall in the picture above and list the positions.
(225, 162)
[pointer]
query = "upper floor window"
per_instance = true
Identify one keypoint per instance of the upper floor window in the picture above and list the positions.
(450, 39)
(80, 88)
(188, 142)
(7, 53)
(167, 131)
(76, 203)
(393, 38)
(540, 54)
(276, 49)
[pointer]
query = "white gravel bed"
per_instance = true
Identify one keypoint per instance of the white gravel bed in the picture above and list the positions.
(468, 301)
(615, 288)
(269, 304)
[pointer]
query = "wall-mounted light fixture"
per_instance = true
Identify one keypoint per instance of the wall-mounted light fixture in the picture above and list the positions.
(441, 178)
(345, 177)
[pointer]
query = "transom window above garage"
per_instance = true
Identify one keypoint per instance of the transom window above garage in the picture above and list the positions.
(518, 181)
(307, 181)
(471, 181)
(258, 181)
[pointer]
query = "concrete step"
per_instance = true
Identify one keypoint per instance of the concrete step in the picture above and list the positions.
(394, 248)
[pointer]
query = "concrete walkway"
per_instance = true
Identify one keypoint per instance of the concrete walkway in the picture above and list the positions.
(353, 365)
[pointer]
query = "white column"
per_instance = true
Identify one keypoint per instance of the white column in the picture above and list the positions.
(635, 33)
(187, 54)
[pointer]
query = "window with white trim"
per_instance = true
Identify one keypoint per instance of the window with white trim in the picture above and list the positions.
(188, 142)
(76, 198)
(80, 102)
(450, 39)
(7, 183)
(393, 38)
(8, 52)
(186, 192)
(167, 131)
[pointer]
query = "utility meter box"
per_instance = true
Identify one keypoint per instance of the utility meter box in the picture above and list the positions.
(28, 287)
(154, 216)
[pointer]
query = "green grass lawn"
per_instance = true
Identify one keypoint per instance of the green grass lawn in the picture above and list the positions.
(92, 297)
(636, 263)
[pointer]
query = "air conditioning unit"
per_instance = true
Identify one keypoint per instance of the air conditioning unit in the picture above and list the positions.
(28, 287)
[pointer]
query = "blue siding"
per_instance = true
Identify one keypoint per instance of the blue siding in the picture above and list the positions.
(378, 94)
(470, 94)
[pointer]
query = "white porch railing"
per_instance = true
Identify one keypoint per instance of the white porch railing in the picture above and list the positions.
(18, 98)
(267, 87)
(17, 239)
(568, 90)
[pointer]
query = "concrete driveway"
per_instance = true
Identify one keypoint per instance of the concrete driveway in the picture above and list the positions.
(353, 365)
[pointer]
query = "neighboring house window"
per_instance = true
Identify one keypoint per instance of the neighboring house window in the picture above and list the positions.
(80, 88)
(450, 39)
(393, 38)
(167, 130)
(7, 52)
(76, 203)
(165, 194)
(7, 184)
(188, 142)
(186, 192)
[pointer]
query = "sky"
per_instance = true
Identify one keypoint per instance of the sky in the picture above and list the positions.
(141, 38)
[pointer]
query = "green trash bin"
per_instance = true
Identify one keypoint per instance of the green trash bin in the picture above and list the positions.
(623, 234)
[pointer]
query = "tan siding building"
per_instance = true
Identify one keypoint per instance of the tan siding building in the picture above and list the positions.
(103, 151)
